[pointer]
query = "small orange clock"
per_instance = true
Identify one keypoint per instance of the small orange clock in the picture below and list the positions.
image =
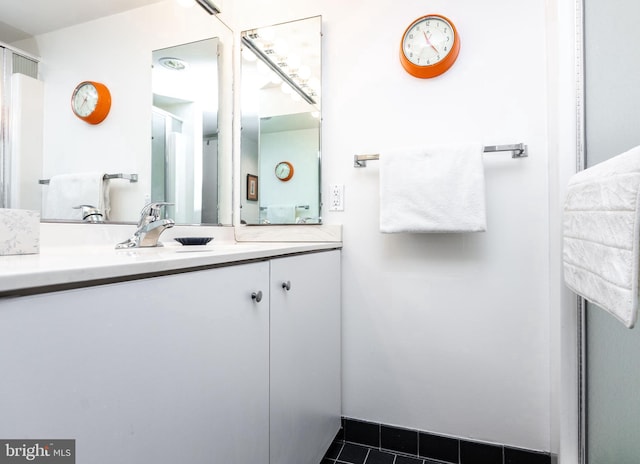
(429, 46)
(91, 101)
(284, 170)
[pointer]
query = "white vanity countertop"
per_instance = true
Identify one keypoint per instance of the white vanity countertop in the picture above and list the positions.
(73, 265)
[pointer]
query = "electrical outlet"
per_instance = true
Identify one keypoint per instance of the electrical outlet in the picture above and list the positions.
(336, 197)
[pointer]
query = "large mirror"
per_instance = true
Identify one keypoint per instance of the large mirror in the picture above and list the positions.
(123, 52)
(280, 134)
(184, 134)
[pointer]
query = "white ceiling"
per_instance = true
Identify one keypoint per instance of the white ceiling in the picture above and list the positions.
(20, 19)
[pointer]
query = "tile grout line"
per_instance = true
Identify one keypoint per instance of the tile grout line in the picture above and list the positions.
(367, 456)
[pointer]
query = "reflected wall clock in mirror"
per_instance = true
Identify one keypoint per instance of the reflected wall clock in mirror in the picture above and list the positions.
(284, 170)
(430, 46)
(91, 102)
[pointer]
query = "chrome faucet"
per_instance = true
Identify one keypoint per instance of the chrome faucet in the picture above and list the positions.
(150, 226)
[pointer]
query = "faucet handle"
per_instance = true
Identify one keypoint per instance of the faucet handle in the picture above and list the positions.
(152, 210)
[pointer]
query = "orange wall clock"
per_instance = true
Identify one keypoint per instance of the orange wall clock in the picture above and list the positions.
(430, 46)
(91, 102)
(284, 170)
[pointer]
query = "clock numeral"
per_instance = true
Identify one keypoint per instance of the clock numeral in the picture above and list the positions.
(446, 48)
(411, 36)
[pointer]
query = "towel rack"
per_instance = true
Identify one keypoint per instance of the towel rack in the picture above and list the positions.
(519, 150)
(264, 208)
(130, 177)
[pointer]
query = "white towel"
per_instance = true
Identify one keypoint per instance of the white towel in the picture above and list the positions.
(602, 234)
(281, 214)
(438, 188)
(68, 190)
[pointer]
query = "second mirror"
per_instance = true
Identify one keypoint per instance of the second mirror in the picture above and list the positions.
(281, 108)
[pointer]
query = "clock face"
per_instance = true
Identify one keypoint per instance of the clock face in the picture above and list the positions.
(429, 46)
(284, 170)
(84, 99)
(428, 41)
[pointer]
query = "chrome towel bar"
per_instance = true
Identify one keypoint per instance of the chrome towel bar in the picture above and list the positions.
(264, 208)
(129, 177)
(518, 150)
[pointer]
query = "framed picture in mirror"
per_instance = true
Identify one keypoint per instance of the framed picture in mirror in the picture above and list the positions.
(252, 187)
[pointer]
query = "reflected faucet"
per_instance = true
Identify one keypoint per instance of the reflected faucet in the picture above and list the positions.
(90, 213)
(150, 226)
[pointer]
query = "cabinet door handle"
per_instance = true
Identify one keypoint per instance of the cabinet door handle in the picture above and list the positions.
(286, 285)
(257, 296)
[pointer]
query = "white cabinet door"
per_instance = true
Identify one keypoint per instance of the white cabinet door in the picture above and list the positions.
(305, 357)
(163, 370)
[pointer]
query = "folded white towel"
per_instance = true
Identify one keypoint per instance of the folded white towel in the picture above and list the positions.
(601, 239)
(68, 190)
(438, 188)
(281, 214)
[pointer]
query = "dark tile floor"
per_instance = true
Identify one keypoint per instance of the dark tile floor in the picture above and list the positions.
(351, 453)
(361, 442)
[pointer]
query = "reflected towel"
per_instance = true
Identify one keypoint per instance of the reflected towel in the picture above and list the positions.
(601, 235)
(433, 189)
(68, 190)
(281, 214)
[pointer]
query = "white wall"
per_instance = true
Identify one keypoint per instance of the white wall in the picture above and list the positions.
(445, 333)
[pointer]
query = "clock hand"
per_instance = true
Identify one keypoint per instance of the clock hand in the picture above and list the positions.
(429, 43)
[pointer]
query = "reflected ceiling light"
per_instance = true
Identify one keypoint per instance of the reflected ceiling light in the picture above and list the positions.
(175, 64)
(266, 59)
(294, 62)
(280, 46)
(209, 6)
